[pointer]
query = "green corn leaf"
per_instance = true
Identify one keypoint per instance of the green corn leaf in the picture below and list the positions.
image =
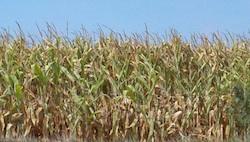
(82, 62)
(66, 72)
(5, 78)
(17, 87)
(151, 129)
(142, 80)
(96, 86)
(130, 94)
(18, 92)
(56, 72)
(43, 78)
(134, 99)
(14, 79)
(77, 75)
(79, 101)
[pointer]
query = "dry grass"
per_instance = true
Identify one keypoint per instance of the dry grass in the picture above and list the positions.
(122, 86)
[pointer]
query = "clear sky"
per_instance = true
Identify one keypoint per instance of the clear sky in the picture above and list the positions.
(186, 16)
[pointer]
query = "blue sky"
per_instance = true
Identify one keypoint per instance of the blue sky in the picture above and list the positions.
(187, 17)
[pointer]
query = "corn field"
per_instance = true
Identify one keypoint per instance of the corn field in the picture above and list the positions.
(124, 87)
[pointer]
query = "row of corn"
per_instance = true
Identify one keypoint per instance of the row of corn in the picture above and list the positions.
(124, 87)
